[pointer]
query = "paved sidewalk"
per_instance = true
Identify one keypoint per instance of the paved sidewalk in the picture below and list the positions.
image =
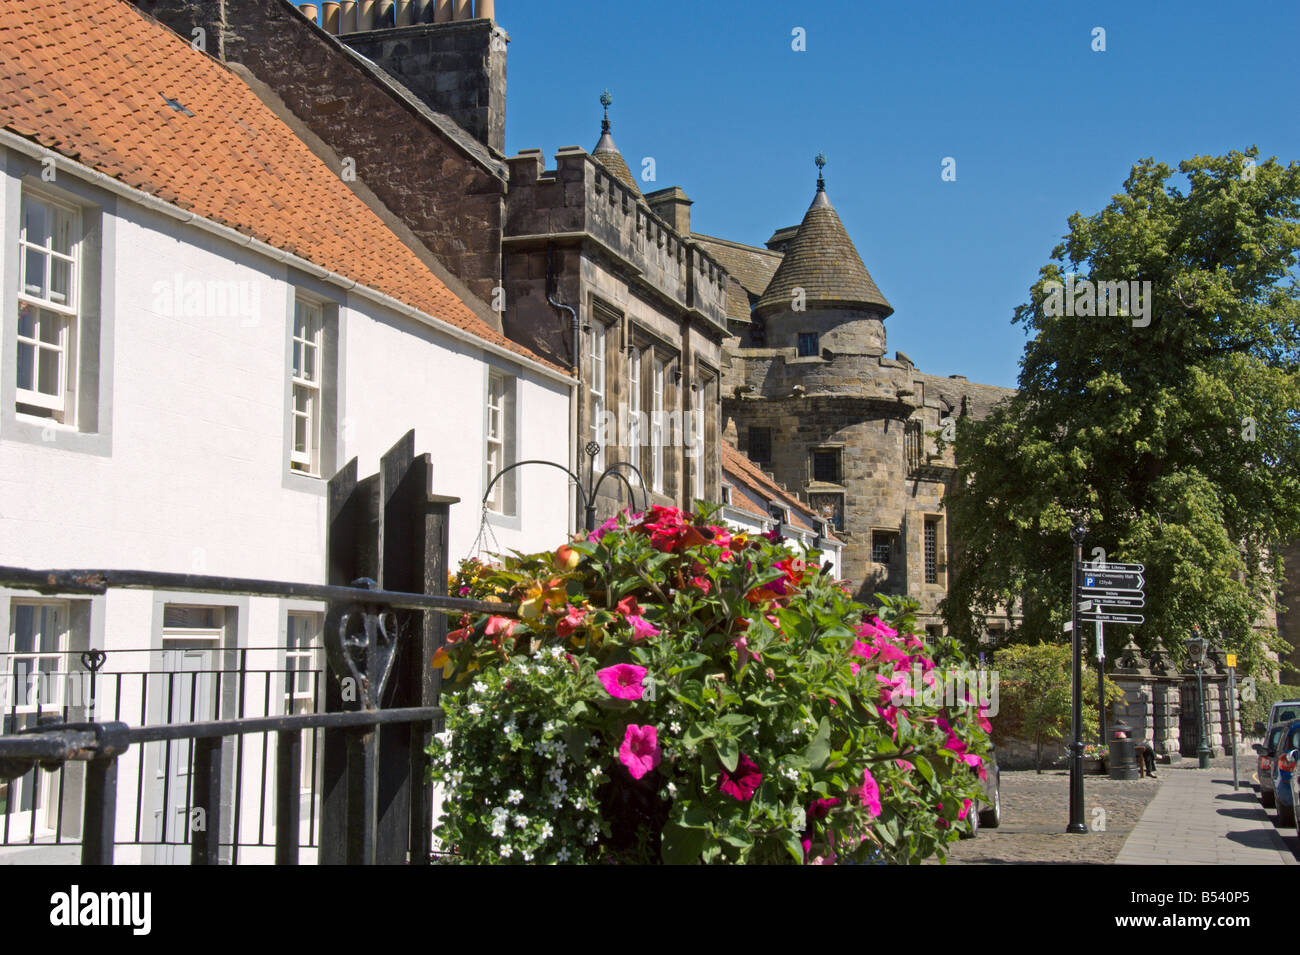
(1197, 819)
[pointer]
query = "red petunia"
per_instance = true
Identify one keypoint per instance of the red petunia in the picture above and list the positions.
(743, 782)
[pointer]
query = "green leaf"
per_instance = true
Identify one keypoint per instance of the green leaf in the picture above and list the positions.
(697, 733)
(925, 768)
(682, 846)
(819, 750)
(728, 753)
(576, 740)
(793, 843)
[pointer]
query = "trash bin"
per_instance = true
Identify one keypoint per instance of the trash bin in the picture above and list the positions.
(1123, 754)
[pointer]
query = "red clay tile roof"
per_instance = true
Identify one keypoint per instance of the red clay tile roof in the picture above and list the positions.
(91, 81)
(750, 477)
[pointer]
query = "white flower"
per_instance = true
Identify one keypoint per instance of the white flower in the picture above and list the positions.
(548, 726)
(790, 774)
(547, 831)
(556, 652)
(480, 686)
(521, 821)
(474, 709)
(672, 789)
(443, 738)
(555, 800)
(675, 728)
(595, 772)
(543, 671)
(505, 851)
(528, 856)
(510, 726)
(555, 774)
(580, 803)
(515, 797)
(563, 854)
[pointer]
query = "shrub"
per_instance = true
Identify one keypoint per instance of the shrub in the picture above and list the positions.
(676, 692)
(1034, 702)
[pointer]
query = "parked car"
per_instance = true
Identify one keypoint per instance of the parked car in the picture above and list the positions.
(1285, 755)
(1264, 764)
(1283, 711)
(987, 812)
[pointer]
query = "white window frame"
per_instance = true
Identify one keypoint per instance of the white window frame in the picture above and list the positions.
(496, 434)
(598, 382)
(310, 341)
(36, 657)
(657, 426)
(634, 407)
(697, 449)
(304, 659)
(49, 308)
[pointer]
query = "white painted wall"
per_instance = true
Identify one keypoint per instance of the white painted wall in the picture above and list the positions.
(197, 477)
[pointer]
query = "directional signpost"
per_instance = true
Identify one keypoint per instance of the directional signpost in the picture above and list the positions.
(1109, 593)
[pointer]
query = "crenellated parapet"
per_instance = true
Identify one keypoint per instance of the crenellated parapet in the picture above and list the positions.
(582, 202)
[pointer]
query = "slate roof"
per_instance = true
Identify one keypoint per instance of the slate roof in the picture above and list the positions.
(92, 81)
(609, 157)
(822, 260)
(750, 270)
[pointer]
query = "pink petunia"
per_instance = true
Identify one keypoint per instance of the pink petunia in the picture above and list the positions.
(642, 628)
(623, 681)
(702, 583)
(744, 782)
(500, 625)
(870, 793)
(628, 606)
(640, 749)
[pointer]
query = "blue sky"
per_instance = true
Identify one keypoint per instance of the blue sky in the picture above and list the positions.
(1039, 124)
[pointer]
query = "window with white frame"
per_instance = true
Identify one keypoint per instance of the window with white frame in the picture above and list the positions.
(38, 643)
(498, 426)
(597, 359)
(48, 252)
(697, 445)
(305, 375)
(634, 407)
(303, 678)
(657, 427)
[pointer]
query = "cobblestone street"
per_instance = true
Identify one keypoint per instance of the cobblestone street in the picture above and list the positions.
(1036, 809)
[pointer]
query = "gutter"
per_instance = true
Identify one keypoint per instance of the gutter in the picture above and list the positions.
(234, 236)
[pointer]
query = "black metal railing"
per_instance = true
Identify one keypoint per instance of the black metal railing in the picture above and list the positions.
(201, 751)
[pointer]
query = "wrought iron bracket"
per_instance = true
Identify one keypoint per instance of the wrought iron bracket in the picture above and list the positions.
(364, 645)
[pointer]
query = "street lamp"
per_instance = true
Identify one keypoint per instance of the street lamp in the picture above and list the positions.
(1196, 650)
(1077, 533)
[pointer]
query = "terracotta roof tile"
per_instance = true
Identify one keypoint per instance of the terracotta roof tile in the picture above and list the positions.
(749, 476)
(90, 81)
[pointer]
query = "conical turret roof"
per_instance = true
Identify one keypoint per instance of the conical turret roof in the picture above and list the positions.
(822, 260)
(607, 154)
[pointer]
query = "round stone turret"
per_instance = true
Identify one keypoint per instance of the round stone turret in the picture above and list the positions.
(823, 289)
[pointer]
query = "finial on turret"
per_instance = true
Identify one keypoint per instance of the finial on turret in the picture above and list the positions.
(821, 164)
(605, 101)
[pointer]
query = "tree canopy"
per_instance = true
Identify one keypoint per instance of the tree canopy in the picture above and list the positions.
(1165, 420)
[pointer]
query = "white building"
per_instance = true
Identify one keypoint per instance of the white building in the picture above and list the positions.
(201, 323)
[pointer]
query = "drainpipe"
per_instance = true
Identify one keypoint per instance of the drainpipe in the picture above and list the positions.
(579, 393)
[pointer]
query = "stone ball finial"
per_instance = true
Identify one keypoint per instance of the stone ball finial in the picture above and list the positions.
(605, 99)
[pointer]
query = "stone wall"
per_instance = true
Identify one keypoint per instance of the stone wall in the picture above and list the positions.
(457, 68)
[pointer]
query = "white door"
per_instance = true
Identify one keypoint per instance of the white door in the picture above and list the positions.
(186, 692)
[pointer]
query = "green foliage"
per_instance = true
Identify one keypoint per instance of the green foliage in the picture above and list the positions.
(775, 740)
(1034, 699)
(1266, 694)
(1178, 443)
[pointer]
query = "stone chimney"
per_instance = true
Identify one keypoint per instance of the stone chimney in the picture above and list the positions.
(672, 206)
(447, 53)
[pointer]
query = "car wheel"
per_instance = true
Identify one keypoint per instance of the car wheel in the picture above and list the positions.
(991, 817)
(1285, 815)
(1266, 799)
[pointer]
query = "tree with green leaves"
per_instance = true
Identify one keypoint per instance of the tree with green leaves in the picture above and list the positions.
(1034, 703)
(1164, 416)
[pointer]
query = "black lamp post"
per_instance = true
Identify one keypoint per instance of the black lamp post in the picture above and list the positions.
(1077, 533)
(588, 494)
(1196, 650)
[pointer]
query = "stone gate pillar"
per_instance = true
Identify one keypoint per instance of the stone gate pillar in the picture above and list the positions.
(1166, 705)
(1132, 675)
